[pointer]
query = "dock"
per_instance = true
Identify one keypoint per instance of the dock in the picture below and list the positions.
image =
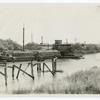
(36, 62)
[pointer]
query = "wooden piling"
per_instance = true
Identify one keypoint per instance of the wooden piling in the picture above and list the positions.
(53, 65)
(5, 71)
(39, 66)
(18, 71)
(43, 68)
(13, 72)
(32, 69)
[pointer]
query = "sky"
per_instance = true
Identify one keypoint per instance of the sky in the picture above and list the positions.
(64, 21)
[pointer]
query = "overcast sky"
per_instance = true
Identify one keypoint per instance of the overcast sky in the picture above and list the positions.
(52, 21)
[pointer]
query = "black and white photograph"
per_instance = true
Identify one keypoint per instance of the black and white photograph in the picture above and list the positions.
(49, 48)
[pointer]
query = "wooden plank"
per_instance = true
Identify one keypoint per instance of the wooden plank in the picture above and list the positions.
(31, 65)
(18, 70)
(59, 71)
(49, 69)
(27, 67)
(9, 66)
(24, 72)
(2, 73)
(34, 64)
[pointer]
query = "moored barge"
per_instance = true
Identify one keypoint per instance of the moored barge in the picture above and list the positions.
(39, 55)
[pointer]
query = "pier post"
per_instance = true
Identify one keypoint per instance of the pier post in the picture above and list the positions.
(32, 69)
(5, 71)
(43, 68)
(37, 66)
(40, 66)
(18, 71)
(13, 72)
(54, 64)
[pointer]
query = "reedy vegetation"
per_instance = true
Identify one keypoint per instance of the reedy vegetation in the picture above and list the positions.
(81, 82)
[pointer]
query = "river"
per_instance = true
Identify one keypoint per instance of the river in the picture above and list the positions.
(68, 66)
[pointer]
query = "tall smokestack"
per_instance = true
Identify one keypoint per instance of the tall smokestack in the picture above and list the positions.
(41, 39)
(32, 38)
(23, 37)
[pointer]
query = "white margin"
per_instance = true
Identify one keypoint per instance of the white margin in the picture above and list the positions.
(49, 1)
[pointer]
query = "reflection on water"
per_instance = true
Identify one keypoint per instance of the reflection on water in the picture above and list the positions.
(68, 66)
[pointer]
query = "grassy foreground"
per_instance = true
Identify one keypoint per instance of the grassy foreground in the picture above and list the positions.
(82, 82)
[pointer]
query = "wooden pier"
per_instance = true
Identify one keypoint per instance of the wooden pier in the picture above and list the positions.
(40, 66)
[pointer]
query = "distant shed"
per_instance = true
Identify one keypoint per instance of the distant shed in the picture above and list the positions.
(59, 42)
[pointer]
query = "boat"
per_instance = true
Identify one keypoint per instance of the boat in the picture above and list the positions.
(29, 55)
(47, 54)
(23, 55)
(5, 57)
(71, 56)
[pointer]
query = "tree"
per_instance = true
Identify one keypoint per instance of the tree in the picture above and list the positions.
(32, 46)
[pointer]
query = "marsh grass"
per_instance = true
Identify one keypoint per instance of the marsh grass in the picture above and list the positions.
(82, 82)
(22, 91)
(52, 88)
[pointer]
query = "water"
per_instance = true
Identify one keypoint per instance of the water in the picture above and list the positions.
(69, 66)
